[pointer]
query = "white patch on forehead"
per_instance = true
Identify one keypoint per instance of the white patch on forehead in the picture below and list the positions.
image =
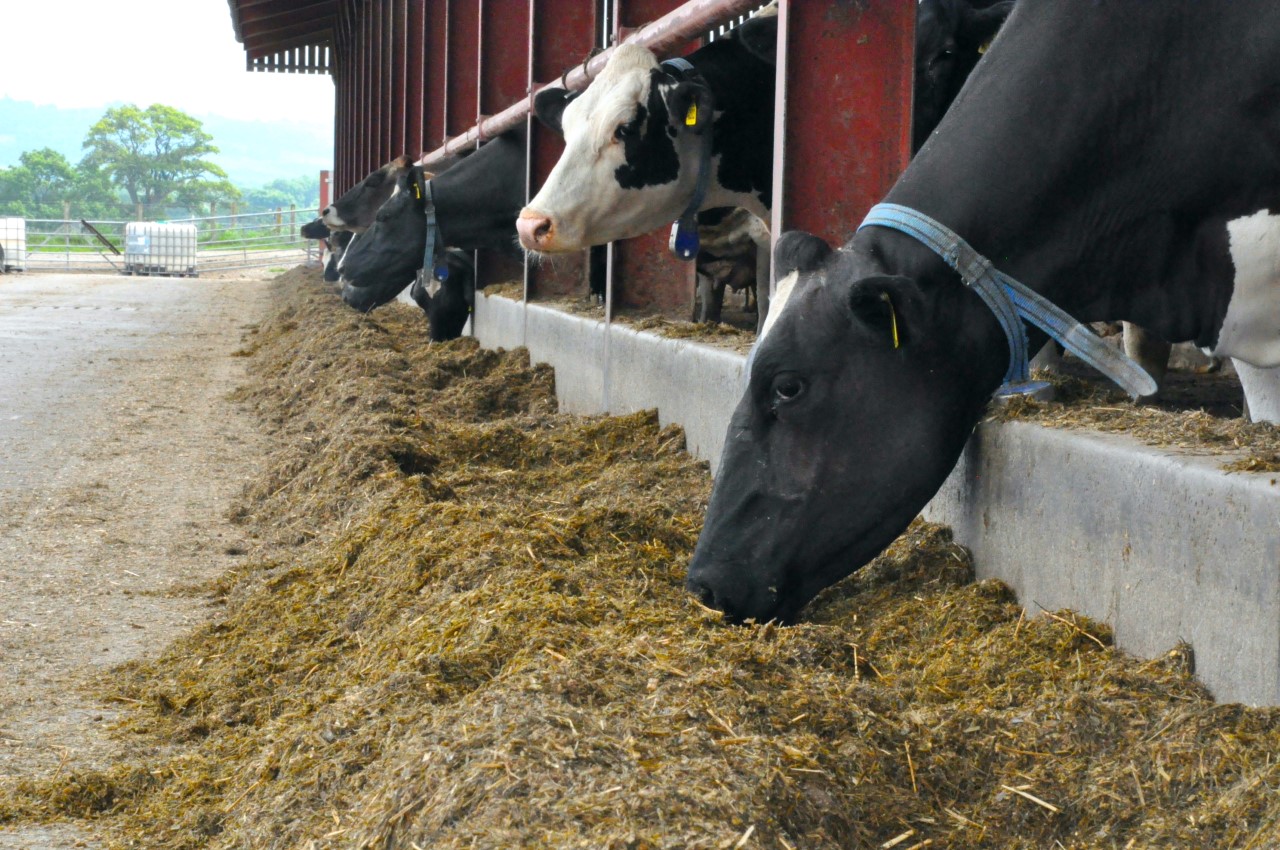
(778, 302)
(1251, 329)
(612, 97)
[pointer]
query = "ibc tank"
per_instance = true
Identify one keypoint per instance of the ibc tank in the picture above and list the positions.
(13, 243)
(154, 248)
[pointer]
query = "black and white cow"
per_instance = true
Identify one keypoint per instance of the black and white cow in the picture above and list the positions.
(631, 159)
(355, 209)
(447, 303)
(476, 203)
(1122, 159)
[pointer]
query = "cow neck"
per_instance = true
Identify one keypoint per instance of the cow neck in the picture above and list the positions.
(684, 242)
(477, 200)
(1012, 303)
(422, 187)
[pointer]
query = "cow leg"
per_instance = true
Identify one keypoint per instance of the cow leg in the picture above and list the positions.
(764, 256)
(1148, 351)
(714, 303)
(1261, 392)
(702, 297)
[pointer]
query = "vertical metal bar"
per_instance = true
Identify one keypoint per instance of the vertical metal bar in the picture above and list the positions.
(847, 106)
(646, 275)
(503, 75)
(399, 75)
(415, 71)
(464, 48)
(562, 33)
(434, 75)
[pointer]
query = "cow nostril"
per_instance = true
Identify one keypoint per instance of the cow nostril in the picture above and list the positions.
(543, 230)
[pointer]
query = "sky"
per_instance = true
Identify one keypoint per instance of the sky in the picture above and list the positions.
(182, 53)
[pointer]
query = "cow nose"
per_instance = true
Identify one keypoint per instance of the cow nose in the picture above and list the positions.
(708, 596)
(536, 230)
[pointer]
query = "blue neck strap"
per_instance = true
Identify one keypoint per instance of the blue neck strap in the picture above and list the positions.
(1012, 302)
(684, 241)
(440, 271)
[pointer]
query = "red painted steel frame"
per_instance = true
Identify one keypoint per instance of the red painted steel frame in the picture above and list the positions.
(503, 72)
(435, 89)
(643, 273)
(415, 73)
(562, 31)
(845, 110)
(463, 51)
(399, 33)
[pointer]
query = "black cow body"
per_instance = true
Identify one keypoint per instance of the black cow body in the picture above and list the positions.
(476, 203)
(950, 38)
(1122, 159)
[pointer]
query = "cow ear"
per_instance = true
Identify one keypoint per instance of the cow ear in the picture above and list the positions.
(690, 106)
(798, 251)
(876, 303)
(759, 35)
(549, 105)
(979, 26)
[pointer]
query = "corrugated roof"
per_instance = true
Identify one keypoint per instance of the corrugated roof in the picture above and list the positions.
(286, 35)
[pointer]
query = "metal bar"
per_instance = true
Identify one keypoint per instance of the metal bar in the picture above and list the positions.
(847, 105)
(399, 25)
(415, 76)
(663, 36)
(558, 29)
(463, 55)
(435, 92)
(99, 236)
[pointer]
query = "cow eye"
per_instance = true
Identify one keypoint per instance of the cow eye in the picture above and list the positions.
(787, 387)
(624, 132)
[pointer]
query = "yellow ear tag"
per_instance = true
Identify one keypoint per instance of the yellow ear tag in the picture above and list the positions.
(983, 48)
(893, 317)
(417, 192)
(691, 117)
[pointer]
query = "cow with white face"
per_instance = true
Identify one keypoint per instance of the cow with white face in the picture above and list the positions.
(634, 142)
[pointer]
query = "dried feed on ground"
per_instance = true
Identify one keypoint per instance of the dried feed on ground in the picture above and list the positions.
(466, 628)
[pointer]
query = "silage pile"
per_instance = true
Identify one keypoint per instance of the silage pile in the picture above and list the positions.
(469, 631)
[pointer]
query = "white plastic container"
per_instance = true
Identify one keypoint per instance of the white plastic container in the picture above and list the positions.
(152, 248)
(13, 244)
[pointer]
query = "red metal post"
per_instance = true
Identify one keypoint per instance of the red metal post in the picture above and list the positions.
(504, 69)
(644, 274)
(844, 109)
(415, 73)
(399, 34)
(435, 91)
(326, 180)
(562, 34)
(463, 59)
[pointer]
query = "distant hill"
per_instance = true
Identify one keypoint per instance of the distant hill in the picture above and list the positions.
(252, 152)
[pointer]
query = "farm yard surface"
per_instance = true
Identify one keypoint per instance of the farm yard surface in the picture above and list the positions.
(461, 623)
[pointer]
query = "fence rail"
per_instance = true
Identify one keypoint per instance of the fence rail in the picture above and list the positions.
(223, 243)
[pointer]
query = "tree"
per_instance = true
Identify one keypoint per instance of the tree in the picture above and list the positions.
(41, 181)
(156, 155)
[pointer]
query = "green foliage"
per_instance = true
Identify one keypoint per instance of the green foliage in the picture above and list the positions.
(301, 192)
(156, 156)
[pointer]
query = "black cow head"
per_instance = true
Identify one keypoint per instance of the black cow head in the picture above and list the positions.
(391, 249)
(447, 303)
(314, 229)
(356, 208)
(337, 244)
(632, 140)
(863, 389)
(949, 37)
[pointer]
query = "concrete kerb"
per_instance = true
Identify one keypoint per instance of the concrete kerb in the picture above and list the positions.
(1162, 546)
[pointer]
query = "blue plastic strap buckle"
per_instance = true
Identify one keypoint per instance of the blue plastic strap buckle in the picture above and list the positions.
(684, 241)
